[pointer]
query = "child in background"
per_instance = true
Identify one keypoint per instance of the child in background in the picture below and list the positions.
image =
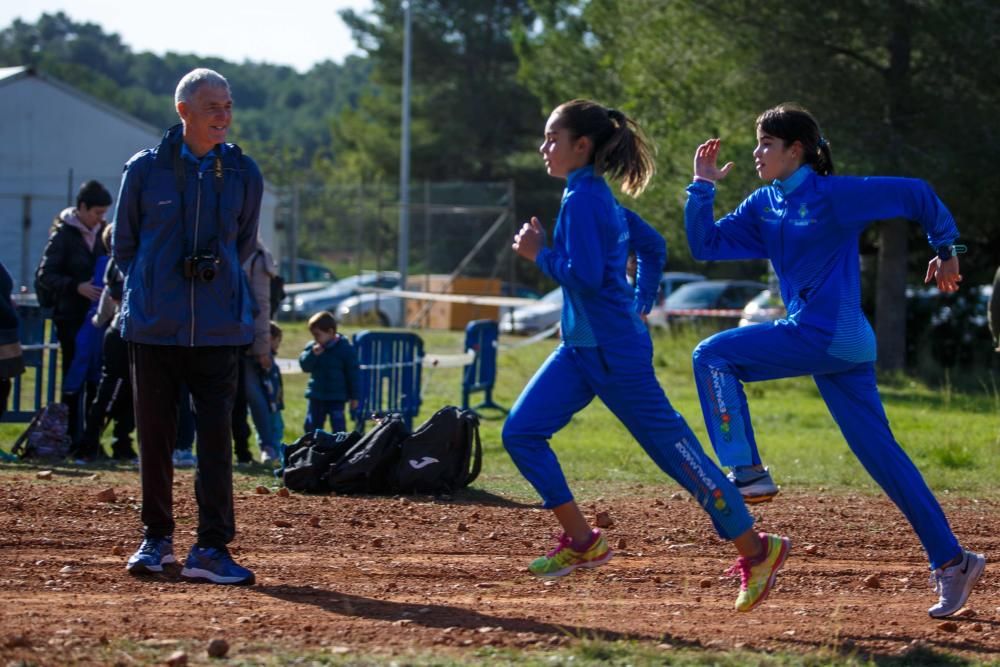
(80, 382)
(113, 398)
(275, 388)
(334, 374)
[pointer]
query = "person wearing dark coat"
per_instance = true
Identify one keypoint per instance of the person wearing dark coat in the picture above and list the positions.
(65, 274)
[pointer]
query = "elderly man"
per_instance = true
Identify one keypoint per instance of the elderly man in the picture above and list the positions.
(185, 223)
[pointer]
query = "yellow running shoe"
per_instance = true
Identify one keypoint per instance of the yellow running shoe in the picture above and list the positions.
(757, 579)
(563, 559)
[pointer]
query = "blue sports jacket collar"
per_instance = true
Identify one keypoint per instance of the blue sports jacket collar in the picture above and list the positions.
(577, 174)
(795, 180)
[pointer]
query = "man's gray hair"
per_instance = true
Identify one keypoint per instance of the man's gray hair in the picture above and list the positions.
(195, 79)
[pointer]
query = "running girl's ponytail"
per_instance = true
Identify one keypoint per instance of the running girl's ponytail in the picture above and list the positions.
(620, 149)
(791, 123)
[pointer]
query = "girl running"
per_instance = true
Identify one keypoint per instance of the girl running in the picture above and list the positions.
(807, 222)
(606, 350)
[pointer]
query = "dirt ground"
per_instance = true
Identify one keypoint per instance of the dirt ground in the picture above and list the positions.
(365, 576)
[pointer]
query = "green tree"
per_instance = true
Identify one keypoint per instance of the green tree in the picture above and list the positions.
(469, 113)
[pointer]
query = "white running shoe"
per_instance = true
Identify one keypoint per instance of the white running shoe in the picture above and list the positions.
(955, 583)
(756, 486)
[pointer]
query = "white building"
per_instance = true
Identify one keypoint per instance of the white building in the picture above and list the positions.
(53, 138)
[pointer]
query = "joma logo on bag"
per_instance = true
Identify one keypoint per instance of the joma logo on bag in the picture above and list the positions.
(422, 463)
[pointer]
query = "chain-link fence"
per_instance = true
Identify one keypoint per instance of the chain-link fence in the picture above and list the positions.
(454, 227)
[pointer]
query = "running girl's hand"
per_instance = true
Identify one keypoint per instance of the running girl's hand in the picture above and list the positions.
(529, 240)
(946, 273)
(705, 158)
(265, 361)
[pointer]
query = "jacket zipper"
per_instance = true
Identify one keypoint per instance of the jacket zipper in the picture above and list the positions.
(194, 248)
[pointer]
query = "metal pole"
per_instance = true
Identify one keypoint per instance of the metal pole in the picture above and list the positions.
(427, 235)
(293, 250)
(404, 153)
(26, 268)
(360, 243)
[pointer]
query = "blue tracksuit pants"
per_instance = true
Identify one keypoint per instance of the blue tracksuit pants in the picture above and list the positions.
(622, 377)
(783, 349)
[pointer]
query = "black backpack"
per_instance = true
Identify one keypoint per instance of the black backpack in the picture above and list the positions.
(46, 436)
(309, 459)
(442, 455)
(367, 466)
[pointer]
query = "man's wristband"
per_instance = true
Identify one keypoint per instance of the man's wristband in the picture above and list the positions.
(703, 180)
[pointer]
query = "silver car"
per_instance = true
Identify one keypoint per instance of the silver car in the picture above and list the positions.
(301, 306)
(536, 317)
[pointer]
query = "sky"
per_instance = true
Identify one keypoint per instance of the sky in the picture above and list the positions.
(299, 33)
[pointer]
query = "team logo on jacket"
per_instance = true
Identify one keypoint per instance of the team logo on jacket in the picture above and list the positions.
(803, 220)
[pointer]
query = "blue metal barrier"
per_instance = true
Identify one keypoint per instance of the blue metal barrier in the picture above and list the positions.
(391, 369)
(481, 337)
(33, 343)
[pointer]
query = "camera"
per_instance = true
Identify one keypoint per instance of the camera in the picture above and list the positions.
(201, 266)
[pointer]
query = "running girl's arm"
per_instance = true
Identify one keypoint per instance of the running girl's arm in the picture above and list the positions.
(580, 264)
(650, 258)
(860, 201)
(734, 236)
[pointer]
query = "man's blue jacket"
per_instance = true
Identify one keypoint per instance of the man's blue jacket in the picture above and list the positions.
(157, 226)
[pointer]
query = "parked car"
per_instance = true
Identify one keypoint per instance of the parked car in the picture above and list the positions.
(719, 302)
(306, 271)
(536, 317)
(387, 310)
(303, 305)
(669, 282)
(765, 307)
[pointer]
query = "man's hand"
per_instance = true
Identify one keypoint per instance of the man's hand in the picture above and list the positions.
(89, 291)
(529, 240)
(705, 162)
(946, 273)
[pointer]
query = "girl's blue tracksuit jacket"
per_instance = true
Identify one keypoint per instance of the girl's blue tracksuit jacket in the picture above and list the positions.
(606, 352)
(808, 226)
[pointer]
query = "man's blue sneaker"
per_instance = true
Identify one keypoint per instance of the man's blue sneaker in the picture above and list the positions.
(153, 554)
(216, 566)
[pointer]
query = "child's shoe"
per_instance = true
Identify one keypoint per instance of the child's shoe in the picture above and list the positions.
(757, 576)
(563, 559)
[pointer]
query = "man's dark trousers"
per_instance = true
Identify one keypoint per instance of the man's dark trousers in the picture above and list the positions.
(210, 375)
